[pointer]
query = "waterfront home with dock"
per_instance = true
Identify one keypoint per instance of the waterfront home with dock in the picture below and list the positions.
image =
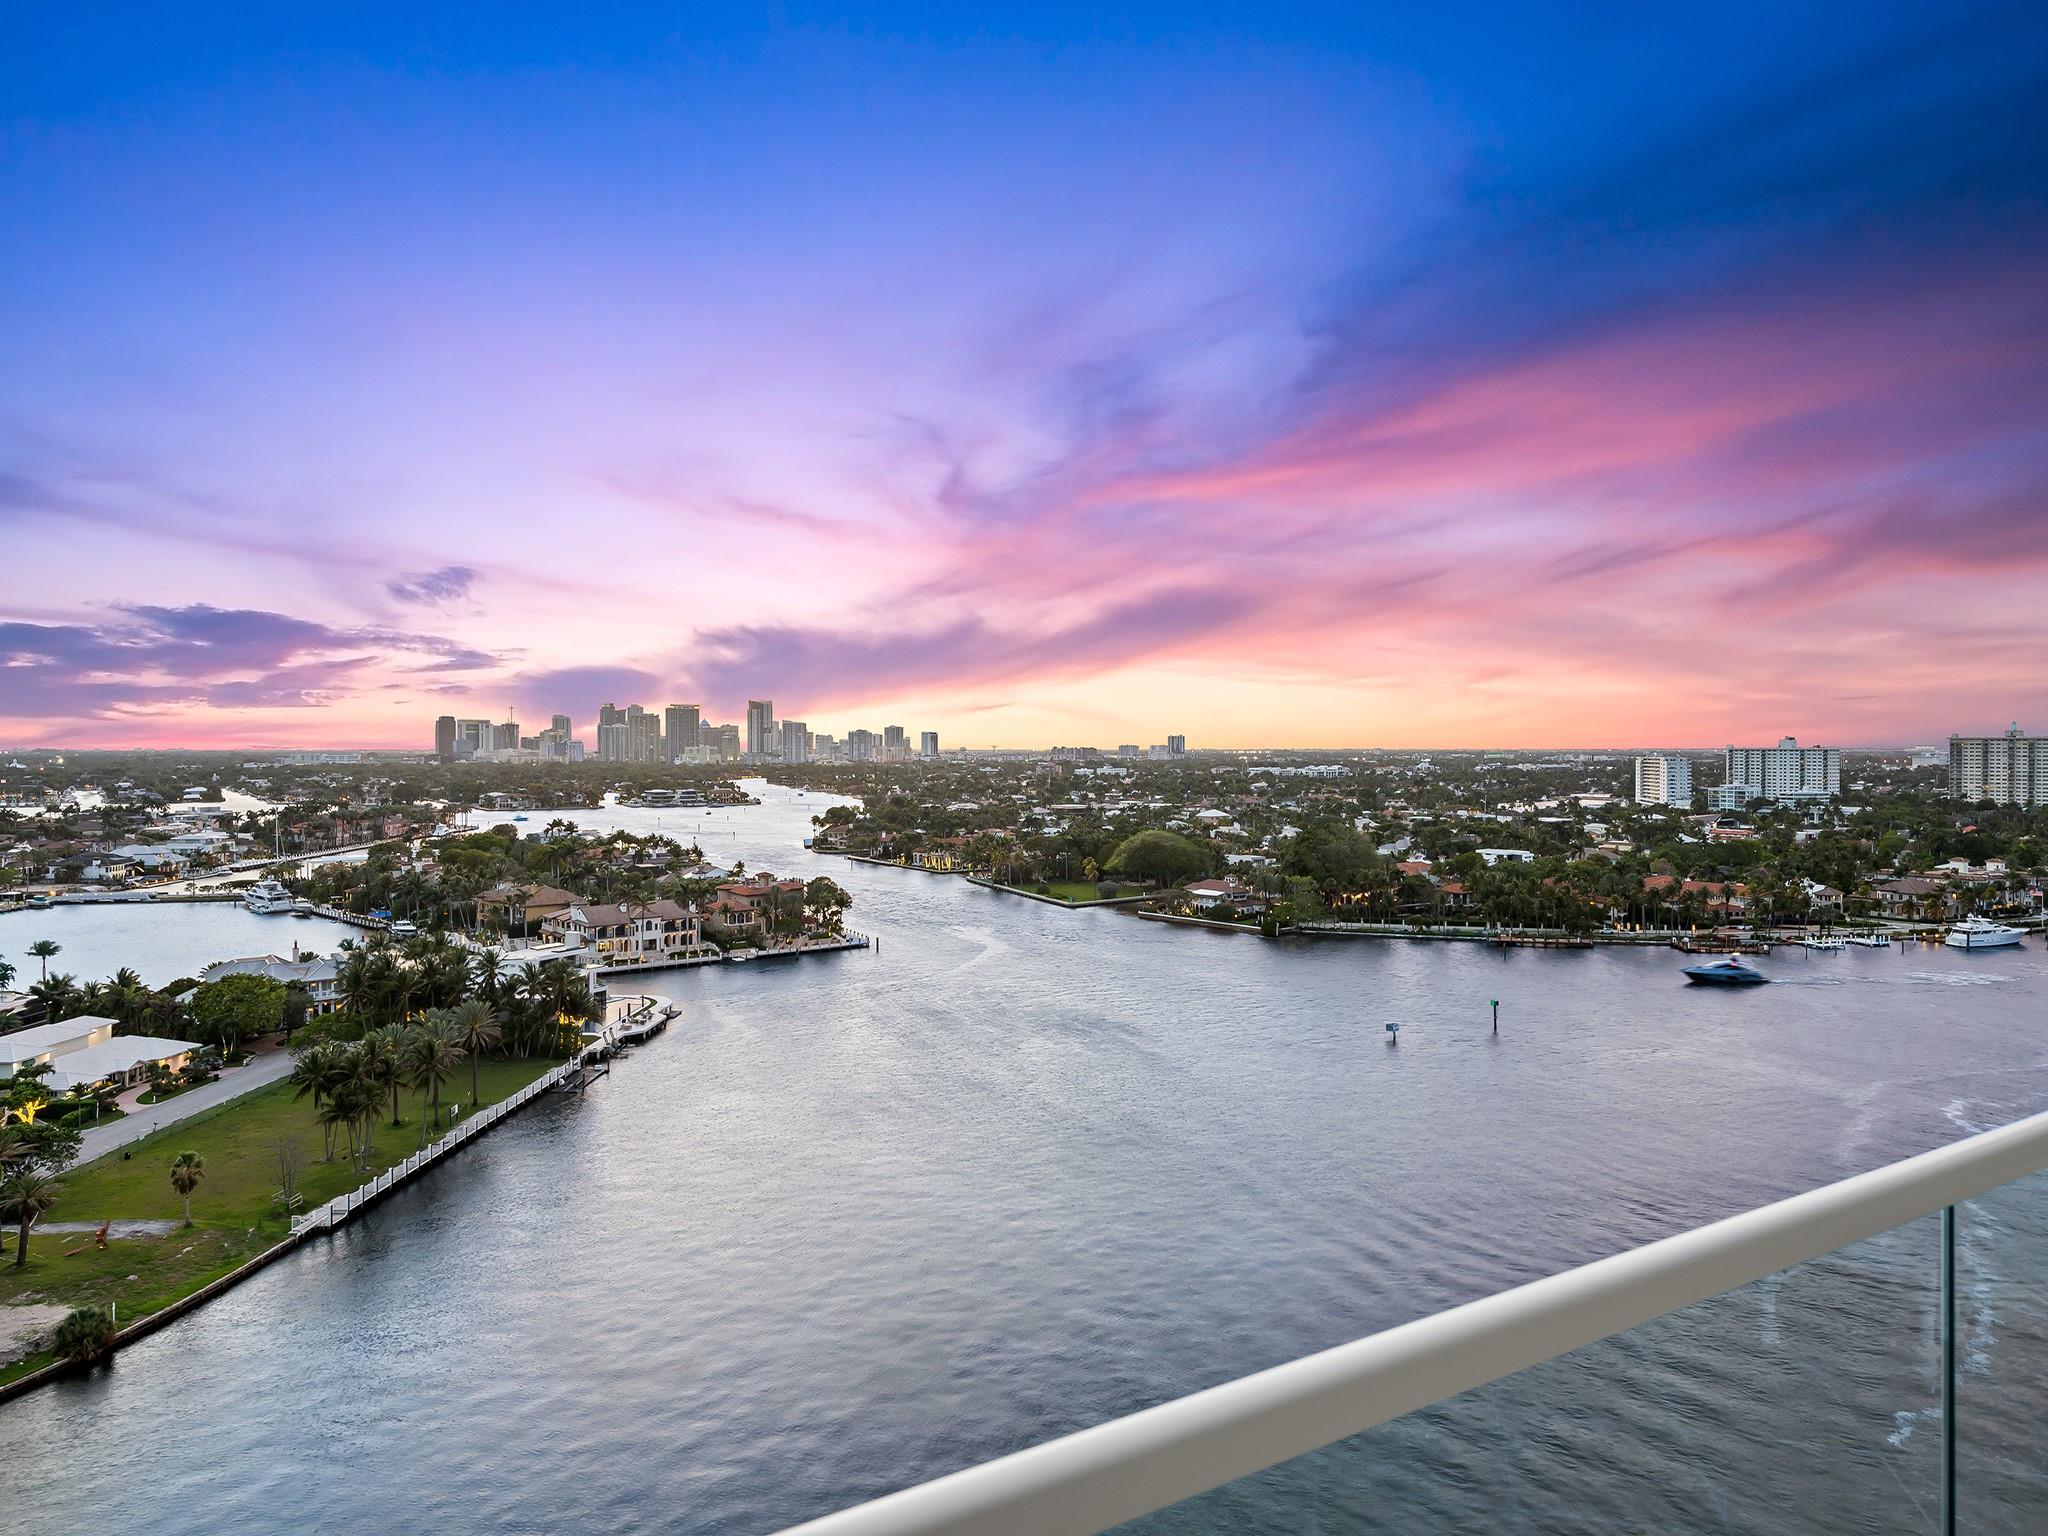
(621, 936)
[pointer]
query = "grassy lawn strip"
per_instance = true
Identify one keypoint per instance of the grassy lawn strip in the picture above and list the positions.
(1077, 891)
(233, 1217)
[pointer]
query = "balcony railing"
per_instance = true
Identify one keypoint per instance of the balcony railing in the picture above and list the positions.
(1135, 1466)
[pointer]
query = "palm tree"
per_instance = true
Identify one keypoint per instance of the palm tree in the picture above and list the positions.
(431, 1059)
(6, 973)
(24, 1197)
(59, 997)
(43, 949)
(383, 1056)
(485, 982)
(187, 1169)
(475, 1027)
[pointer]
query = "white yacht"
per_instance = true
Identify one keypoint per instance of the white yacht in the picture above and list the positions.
(269, 898)
(1977, 932)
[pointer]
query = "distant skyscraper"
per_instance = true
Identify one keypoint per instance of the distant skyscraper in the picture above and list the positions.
(1130, 749)
(1787, 771)
(760, 723)
(1664, 780)
(643, 735)
(796, 742)
(562, 726)
(613, 743)
(927, 745)
(472, 737)
(2010, 770)
(895, 744)
(444, 738)
(505, 736)
(860, 746)
(1176, 746)
(684, 720)
(727, 742)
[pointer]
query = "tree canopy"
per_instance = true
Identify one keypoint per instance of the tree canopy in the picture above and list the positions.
(1160, 858)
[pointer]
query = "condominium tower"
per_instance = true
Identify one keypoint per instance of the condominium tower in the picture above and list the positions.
(1662, 779)
(1787, 771)
(2010, 770)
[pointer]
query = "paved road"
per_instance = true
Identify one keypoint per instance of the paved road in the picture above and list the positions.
(260, 1072)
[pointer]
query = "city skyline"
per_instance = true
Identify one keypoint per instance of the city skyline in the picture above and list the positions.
(1373, 380)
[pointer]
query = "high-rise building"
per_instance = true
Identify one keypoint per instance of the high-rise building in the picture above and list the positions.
(2010, 770)
(444, 738)
(472, 737)
(614, 744)
(796, 742)
(505, 736)
(1787, 771)
(684, 720)
(760, 726)
(927, 745)
(1176, 746)
(1130, 749)
(562, 726)
(860, 746)
(1662, 779)
(895, 744)
(726, 741)
(643, 735)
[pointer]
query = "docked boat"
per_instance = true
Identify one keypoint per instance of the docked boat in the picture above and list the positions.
(1727, 972)
(404, 928)
(269, 898)
(1976, 932)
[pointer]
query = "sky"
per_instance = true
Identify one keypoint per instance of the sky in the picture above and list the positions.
(1272, 376)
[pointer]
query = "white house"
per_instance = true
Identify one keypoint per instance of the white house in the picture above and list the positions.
(1507, 856)
(317, 974)
(85, 1050)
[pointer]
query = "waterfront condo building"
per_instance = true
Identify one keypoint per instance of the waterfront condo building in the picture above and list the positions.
(2009, 770)
(1662, 779)
(1787, 771)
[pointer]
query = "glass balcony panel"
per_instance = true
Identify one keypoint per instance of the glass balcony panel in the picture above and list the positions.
(1809, 1401)
(2002, 1361)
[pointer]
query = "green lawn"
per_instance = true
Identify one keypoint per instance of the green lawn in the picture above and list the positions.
(232, 1213)
(1079, 890)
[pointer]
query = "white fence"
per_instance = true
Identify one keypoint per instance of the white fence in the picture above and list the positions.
(338, 1210)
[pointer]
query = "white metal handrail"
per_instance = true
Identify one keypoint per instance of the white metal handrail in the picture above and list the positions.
(1087, 1482)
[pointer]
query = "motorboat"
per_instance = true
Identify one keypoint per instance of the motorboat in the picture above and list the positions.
(1730, 971)
(269, 898)
(404, 928)
(1868, 941)
(1978, 932)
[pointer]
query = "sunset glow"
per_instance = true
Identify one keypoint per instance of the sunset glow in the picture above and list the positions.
(1408, 383)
